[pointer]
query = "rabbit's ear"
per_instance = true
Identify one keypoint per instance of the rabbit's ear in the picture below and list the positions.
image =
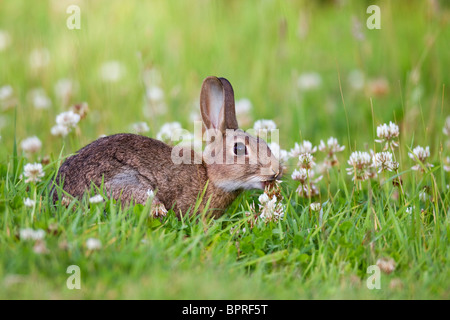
(230, 111)
(217, 104)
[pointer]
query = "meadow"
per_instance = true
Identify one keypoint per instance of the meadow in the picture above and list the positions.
(312, 69)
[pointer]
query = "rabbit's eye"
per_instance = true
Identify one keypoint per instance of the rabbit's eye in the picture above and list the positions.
(240, 149)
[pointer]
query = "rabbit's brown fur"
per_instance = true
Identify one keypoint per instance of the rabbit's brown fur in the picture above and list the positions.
(130, 165)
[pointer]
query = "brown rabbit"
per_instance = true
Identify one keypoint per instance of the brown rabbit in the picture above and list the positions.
(130, 165)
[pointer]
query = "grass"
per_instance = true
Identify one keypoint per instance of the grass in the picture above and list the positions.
(261, 49)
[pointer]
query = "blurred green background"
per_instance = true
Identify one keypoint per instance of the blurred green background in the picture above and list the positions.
(262, 47)
(311, 66)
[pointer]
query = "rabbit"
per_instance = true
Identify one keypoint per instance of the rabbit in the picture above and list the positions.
(131, 165)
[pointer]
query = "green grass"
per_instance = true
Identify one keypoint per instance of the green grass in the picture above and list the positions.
(258, 48)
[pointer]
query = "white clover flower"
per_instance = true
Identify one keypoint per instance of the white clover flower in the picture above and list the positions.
(306, 160)
(68, 119)
(155, 94)
(26, 234)
(307, 187)
(356, 79)
(423, 196)
(243, 106)
(81, 109)
(6, 92)
(65, 201)
(243, 109)
(322, 167)
(383, 130)
(151, 76)
(359, 158)
(447, 164)
(236, 230)
(393, 129)
(29, 202)
(387, 134)
(65, 121)
(420, 156)
(387, 265)
(315, 206)
(308, 190)
(357, 29)
(301, 174)
(140, 127)
(31, 145)
(7, 98)
(304, 147)
(410, 210)
(188, 140)
(377, 87)
(165, 133)
(309, 81)
(39, 99)
(93, 244)
(152, 109)
(283, 156)
(360, 163)
(39, 234)
(96, 199)
(280, 154)
(194, 115)
(272, 210)
(331, 147)
(40, 247)
(446, 129)
(64, 89)
(39, 58)
(59, 130)
(383, 161)
(270, 205)
(30, 234)
(33, 172)
(5, 40)
(263, 126)
(111, 71)
(263, 198)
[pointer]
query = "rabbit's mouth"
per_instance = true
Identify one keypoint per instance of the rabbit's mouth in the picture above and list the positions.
(268, 183)
(253, 183)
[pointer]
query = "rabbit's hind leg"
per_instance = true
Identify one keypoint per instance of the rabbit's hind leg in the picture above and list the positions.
(137, 193)
(129, 185)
